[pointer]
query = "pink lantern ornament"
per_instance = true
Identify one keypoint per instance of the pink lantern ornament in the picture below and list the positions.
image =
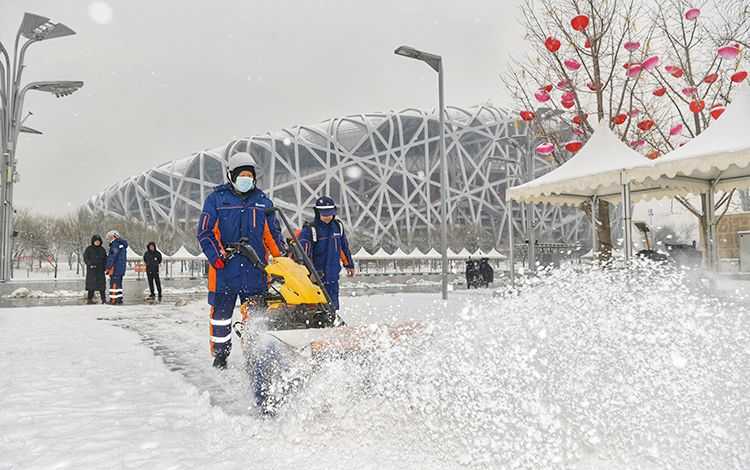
(692, 14)
(676, 129)
(545, 149)
(572, 64)
(631, 46)
(541, 96)
(651, 63)
(729, 52)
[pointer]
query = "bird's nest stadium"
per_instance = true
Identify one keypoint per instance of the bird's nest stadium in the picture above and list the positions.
(381, 168)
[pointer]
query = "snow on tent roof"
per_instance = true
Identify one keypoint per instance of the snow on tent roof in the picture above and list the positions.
(721, 152)
(464, 254)
(381, 254)
(598, 169)
(494, 254)
(362, 254)
(399, 254)
(182, 255)
(417, 254)
(201, 256)
(131, 255)
(433, 254)
(452, 254)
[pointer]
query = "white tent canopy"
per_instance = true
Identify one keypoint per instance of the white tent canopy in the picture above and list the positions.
(416, 254)
(720, 154)
(131, 255)
(399, 254)
(182, 255)
(433, 254)
(464, 254)
(600, 169)
(362, 255)
(201, 256)
(494, 254)
(381, 254)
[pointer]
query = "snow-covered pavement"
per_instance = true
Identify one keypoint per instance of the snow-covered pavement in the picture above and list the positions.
(579, 370)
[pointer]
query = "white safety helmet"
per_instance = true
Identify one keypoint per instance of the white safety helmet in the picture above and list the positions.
(111, 235)
(238, 163)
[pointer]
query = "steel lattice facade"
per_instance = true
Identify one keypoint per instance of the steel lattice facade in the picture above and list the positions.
(381, 168)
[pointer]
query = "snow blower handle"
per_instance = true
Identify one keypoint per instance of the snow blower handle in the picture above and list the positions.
(243, 248)
(300, 254)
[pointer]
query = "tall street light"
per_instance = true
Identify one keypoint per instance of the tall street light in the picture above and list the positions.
(34, 28)
(436, 63)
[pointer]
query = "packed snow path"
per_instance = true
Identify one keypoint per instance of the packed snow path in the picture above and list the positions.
(579, 370)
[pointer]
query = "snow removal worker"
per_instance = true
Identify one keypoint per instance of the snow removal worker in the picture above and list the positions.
(116, 265)
(325, 243)
(235, 212)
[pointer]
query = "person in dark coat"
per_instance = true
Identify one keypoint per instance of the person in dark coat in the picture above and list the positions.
(152, 258)
(95, 257)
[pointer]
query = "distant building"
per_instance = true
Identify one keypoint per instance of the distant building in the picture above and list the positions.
(381, 168)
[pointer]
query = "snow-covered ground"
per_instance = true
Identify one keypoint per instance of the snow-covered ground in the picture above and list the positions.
(578, 370)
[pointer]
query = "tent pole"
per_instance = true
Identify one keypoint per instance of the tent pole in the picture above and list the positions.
(712, 257)
(626, 221)
(594, 224)
(511, 258)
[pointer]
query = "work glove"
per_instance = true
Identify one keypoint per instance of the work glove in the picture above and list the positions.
(219, 264)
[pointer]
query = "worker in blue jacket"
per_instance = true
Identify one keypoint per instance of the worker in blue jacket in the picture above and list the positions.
(116, 265)
(325, 243)
(235, 212)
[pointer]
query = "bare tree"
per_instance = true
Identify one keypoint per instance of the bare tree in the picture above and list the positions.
(651, 70)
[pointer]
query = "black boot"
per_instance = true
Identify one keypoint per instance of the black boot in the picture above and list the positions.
(220, 362)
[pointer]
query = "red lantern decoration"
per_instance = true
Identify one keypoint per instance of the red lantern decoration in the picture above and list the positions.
(697, 106)
(675, 71)
(528, 115)
(580, 22)
(646, 125)
(619, 119)
(653, 155)
(552, 44)
(710, 78)
(578, 119)
(573, 146)
(661, 91)
(587, 44)
(568, 104)
(592, 86)
(739, 77)
(547, 88)
(717, 111)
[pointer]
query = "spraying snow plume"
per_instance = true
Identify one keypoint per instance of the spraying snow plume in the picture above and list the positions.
(578, 370)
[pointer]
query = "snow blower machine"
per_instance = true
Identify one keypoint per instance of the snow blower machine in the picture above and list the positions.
(289, 332)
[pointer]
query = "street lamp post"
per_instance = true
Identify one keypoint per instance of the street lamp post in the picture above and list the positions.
(436, 63)
(34, 28)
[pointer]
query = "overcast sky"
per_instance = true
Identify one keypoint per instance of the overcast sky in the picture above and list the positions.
(169, 77)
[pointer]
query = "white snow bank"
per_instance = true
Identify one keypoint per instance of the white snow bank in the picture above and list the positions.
(578, 370)
(24, 292)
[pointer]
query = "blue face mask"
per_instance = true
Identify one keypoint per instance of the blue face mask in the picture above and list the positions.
(244, 184)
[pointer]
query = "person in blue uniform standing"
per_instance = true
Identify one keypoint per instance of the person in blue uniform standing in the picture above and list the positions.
(324, 240)
(116, 265)
(234, 212)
